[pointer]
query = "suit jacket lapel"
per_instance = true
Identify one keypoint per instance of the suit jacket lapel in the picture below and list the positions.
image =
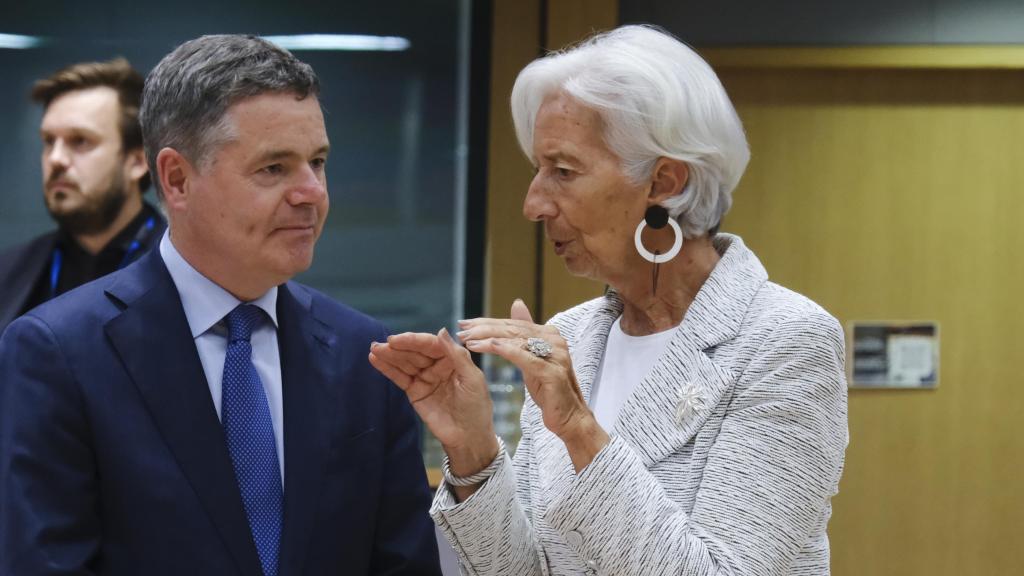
(155, 344)
(307, 365)
(588, 351)
(649, 419)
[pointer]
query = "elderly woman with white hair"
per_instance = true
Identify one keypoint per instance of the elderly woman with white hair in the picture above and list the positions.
(690, 421)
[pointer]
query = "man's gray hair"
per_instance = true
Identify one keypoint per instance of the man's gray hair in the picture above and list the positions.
(189, 92)
(657, 98)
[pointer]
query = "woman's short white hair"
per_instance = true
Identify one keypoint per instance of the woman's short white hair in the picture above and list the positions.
(657, 98)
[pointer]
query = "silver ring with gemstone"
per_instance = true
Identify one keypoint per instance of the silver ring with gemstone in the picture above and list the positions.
(539, 347)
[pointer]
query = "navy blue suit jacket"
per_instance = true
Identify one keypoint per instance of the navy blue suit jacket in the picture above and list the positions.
(113, 460)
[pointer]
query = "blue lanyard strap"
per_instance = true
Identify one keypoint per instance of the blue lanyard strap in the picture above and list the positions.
(141, 235)
(55, 264)
(130, 253)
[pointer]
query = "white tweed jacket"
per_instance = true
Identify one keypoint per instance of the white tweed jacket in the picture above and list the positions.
(740, 484)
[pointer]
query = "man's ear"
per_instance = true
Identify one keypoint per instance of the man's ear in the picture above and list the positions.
(173, 172)
(668, 179)
(135, 164)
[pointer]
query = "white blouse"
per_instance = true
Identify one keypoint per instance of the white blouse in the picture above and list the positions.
(627, 360)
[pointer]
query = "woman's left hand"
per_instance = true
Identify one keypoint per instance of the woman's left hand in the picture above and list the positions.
(551, 380)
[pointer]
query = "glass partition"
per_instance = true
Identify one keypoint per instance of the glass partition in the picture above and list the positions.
(395, 97)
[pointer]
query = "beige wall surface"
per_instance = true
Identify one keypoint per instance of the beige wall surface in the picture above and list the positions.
(569, 21)
(511, 266)
(896, 195)
(521, 263)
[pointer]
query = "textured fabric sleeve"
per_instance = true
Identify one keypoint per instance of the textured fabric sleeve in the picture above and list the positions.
(766, 484)
(48, 493)
(491, 531)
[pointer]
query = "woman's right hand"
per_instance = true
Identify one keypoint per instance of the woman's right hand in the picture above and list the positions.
(448, 392)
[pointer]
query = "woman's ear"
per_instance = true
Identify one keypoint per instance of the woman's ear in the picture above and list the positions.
(668, 179)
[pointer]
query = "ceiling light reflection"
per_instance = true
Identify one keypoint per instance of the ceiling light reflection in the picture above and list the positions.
(340, 42)
(20, 42)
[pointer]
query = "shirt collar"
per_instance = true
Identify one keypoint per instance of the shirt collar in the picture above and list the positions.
(205, 302)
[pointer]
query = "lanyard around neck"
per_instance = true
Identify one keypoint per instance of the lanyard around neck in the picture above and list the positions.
(140, 237)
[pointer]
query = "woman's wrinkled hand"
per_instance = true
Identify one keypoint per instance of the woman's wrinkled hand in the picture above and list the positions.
(447, 391)
(551, 381)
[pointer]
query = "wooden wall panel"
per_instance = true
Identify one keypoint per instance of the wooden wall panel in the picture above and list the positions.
(569, 21)
(513, 270)
(511, 239)
(897, 195)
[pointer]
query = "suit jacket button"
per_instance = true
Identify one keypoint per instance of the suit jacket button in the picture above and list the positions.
(574, 539)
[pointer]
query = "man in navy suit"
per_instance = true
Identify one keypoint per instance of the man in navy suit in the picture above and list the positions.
(197, 412)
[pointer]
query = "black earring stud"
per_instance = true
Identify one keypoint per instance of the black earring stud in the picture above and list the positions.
(656, 216)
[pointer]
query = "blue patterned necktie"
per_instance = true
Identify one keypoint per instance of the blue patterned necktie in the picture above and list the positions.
(245, 415)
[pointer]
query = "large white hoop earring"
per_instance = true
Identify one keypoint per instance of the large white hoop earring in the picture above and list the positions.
(659, 258)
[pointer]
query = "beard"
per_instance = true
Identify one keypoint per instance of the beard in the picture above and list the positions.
(96, 213)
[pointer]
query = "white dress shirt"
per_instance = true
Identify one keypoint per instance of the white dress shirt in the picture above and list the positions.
(206, 304)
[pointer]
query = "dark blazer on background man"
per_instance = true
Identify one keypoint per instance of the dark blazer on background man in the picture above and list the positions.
(113, 460)
(22, 266)
(20, 269)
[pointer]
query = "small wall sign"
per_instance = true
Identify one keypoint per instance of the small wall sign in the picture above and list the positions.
(894, 355)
